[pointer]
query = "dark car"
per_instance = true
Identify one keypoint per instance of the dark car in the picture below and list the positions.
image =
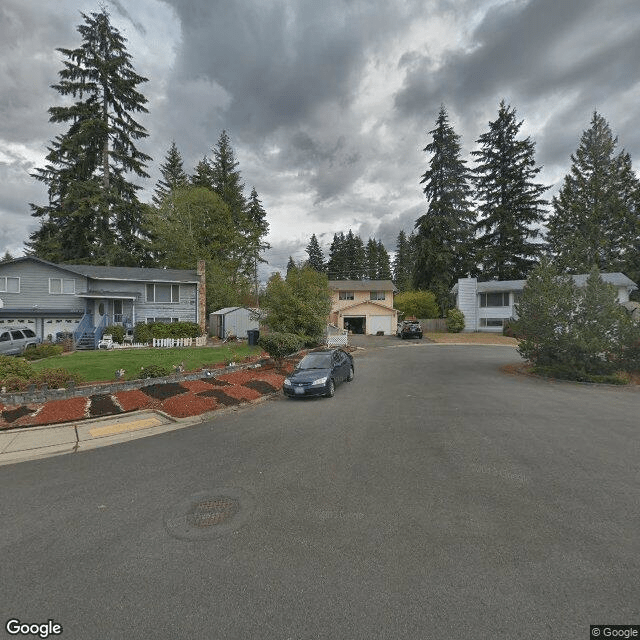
(318, 374)
(409, 329)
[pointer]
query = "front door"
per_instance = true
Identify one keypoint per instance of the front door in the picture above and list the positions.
(117, 312)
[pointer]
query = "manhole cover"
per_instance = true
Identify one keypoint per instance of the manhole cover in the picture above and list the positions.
(209, 514)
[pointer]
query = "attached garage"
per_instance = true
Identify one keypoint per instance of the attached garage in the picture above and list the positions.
(381, 323)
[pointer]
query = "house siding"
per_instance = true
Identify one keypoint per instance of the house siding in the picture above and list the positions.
(467, 301)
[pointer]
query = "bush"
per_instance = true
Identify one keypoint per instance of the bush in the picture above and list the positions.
(55, 378)
(14, 383)
(43, 351)
(14, 367)
(417, 304)
(146, 332)
(455, 321)
(152, 371)
(116, 331)
(279, 345)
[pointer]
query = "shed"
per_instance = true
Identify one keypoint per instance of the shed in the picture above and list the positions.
(234, 321)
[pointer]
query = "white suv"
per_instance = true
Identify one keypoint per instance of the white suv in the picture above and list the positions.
(14, 340)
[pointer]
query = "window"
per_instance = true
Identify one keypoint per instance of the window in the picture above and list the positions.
(500, 299)
(60, 285)
(377, 295)
(163, 293)
(345, 295)
(4, 337)
(29, 333)
(492, 322)
(9, 285)
(17, 335)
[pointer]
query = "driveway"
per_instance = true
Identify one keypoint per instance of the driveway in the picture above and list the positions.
(433, 497)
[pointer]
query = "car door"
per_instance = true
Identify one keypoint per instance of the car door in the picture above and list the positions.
(18, 340)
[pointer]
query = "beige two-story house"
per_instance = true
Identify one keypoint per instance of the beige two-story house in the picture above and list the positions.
(363, 306)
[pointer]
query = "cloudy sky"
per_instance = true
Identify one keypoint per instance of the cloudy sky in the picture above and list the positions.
(328, 104)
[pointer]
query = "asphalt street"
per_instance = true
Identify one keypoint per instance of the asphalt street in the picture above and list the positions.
(434, 497)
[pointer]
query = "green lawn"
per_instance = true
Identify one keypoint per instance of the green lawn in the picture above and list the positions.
(96, 366)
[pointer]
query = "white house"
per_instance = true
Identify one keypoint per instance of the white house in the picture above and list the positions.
(487, 305)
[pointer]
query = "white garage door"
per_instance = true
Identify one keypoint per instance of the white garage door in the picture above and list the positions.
(380, 323)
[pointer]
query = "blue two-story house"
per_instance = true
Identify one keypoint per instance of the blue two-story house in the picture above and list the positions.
(84, 299)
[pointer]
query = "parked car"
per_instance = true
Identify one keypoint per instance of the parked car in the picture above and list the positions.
(318, 374)
(409, 329)
(14, 340)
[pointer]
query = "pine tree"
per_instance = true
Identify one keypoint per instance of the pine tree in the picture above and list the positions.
(291, 266)
(445, 231)
(354, 256)
(511, 206)
(337, 265)
(371, 259)
(403, 263)
(202, 175)
(595, 215)
(316, 257)
(226, 179)
(383, 265)
(259, 228)
(93, 214)
(173, 175)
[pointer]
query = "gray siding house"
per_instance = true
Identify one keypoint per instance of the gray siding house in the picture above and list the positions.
(488, 305)
(84, 299)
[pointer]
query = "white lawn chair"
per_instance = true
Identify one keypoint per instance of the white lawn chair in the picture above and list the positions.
(106, 342)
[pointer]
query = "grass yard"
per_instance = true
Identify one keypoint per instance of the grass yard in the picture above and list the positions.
(100, 366)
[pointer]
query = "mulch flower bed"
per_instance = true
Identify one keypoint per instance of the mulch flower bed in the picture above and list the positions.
(164, 391)
(260, 386)
(242, 393)
(188, 405)
(59, 411)
(11, 415)
(220, 396)
(134, 400)
(197, 385)
(103, 405)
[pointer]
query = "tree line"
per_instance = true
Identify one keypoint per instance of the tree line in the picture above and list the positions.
(94, 214)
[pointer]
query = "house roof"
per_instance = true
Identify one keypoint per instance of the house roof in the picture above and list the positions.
(617, 279)
(139, 274)
(363, 303)
(362, 285)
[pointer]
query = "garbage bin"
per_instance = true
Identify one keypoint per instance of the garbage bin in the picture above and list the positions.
(252, 337)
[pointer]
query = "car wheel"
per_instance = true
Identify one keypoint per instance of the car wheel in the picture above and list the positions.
(350, 376)
(331, 391)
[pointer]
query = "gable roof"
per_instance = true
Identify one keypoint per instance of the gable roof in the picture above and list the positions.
(362, 285)
(140, 274)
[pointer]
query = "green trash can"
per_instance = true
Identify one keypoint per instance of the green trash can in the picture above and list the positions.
(252, 337)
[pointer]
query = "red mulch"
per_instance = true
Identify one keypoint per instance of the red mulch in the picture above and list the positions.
(196, 385)
(188, 405)
(242, 393)
(59, 411)
(274, 379)
(134, 400)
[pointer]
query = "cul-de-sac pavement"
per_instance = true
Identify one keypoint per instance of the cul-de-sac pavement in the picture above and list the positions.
(435, 496)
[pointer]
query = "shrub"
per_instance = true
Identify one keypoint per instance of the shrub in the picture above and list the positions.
(279, 345)
(116, 331)
(455, 321)
(14, 383)
(417, 304)
(43, 351)
(512, 329)
(146, 332)
(14, 367)
(55, 378)
(152, 371)
(142, 332)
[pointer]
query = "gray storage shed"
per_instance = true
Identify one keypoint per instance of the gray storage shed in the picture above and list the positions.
(234, 321)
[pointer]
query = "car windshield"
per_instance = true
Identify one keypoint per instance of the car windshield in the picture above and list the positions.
(315, 361)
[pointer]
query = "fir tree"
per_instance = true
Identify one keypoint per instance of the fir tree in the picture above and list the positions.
(595, 214)
(93, 214)
(383, 265)
(291, 266)
(371, 259)
(403, 263)
(337, 263)
(511, 206)
(226, 179)
(173, 175)
(354, 255)
(444, 233)
(202, 175)
(316, 257)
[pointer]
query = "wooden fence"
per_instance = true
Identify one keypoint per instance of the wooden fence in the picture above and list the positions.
(180, 342)
(434, 325)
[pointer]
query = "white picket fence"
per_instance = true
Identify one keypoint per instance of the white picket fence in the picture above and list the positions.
(180, 342)
(336, 337)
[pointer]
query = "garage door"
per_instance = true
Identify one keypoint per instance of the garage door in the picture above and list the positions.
(380, 323)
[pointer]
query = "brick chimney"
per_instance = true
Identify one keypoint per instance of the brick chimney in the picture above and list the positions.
(202, 297)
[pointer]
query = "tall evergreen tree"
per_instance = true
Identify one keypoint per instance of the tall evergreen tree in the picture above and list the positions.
(202, 175)
(226, 178)
(511, 206)
(445, 232)
(173, 175)
(291, 266)
(337, 263)
(595, 218)
(354, 256)
(403, 263)
(316, 257)
(93, 213)
(383, 265)
(371, 259)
